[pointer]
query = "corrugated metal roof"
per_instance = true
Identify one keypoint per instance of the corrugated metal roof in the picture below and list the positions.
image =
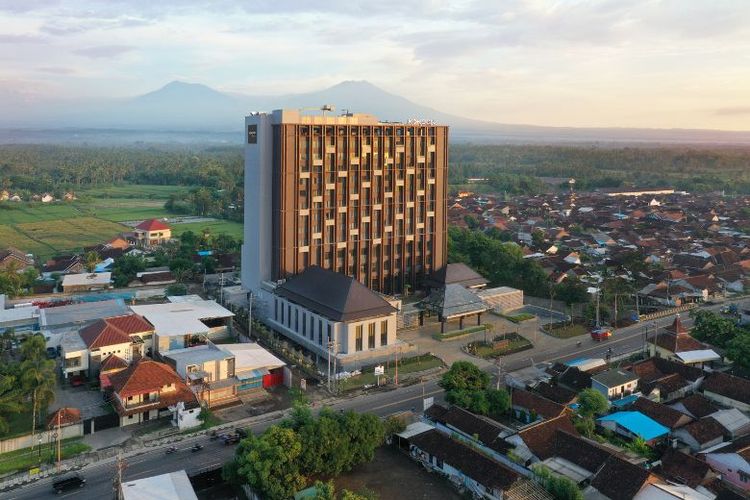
(637, 423)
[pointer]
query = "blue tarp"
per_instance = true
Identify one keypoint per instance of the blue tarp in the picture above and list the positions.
(205, 253)
(637, 423)
(627, 400)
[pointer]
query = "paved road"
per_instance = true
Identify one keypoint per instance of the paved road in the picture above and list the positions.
(99, 477)
(153, 462)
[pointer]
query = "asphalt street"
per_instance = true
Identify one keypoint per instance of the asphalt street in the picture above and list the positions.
(100, 476)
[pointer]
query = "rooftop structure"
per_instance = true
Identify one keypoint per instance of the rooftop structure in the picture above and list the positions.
(170, 486)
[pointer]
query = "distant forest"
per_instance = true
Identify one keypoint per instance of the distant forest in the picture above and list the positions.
(517, 169)
(514, 169)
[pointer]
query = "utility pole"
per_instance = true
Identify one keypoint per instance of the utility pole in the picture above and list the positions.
(330, 346)
(59, 440)
(120, 467)
(395, 378)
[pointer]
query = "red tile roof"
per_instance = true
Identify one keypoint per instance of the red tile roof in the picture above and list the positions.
(705, 430)
(115, 330)
(539, 438)
(142, 377)
(113, 362)
(541, 405)
(663, 414)
(64, 416)
(152, 225)
(730, 386)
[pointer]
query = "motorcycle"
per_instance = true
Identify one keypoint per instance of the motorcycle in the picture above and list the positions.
(171, 450)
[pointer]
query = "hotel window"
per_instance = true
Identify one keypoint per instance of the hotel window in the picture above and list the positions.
(371, 336)
(304, 324)
(329, 332)
(358, 338)
(289, 315)
(320, 326)
(296, 320)
(384, 333)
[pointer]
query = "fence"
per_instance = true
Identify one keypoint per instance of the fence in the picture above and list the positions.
(28, 440)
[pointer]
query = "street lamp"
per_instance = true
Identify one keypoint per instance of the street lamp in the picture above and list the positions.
(40, 448)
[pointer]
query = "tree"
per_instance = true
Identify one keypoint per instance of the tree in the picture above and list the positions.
(324, 491)
(10, 400)
(560, 487)
(90, 260)
(592, 402)
(585, 425)
(499, 402)
(37, 376)
(464, 376)
(714, 329)
(269, 463)
(738, 350)
(175, 289)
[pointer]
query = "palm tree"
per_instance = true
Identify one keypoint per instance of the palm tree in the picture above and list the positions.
(10, 400)
(37, 377)
(90, 260)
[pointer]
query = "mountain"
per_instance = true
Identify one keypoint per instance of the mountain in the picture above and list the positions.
(181, 107)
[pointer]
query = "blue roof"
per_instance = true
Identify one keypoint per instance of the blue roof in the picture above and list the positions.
(637, 423)
(627, 400)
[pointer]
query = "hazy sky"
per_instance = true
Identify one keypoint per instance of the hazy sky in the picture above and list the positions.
(651, 63)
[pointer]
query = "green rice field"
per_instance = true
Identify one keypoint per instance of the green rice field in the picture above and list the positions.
(60, 227)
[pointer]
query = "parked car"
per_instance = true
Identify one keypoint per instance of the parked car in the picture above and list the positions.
(242, 433)
(196, 447)
(69, 483)
(77, 380)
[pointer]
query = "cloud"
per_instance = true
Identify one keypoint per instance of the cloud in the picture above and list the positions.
(104, 51)
(57, 70)
(5, 38)
(733, 111)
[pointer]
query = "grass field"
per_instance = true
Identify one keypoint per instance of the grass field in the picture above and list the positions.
(233, 229)
(28, 458)
(60, 227)
(147, 191)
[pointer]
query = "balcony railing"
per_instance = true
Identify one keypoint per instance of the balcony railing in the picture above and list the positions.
(145, 402)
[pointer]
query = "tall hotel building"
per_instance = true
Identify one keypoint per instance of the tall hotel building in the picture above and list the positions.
(347, 193)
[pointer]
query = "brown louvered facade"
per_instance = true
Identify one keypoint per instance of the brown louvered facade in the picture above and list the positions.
(365, 200)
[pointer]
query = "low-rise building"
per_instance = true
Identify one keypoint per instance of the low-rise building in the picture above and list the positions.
(255, 368)
(169, 486)
(185, 321)
(732, 461)
(152, 232)
(728, 390)
(328, 312)
(701, 434)
(86, 282)
(634, 424)
(615, 384)
(208, 370)
(148, 390)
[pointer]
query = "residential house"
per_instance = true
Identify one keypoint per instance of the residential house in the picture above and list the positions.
(330, 314)
(466, 467)
(255, 368)
(696, 405)
(148, 390)
(732, 461)
(574, 379)
(14, 257)
(74, 355)
(152, 232)
(665, 380)
(614, 383)
(556, 393)
(665, 415)
(701, 434)
(47, 198)
(128, 337)
(86, 282)
(456, 274)
(634, 424)
(209, 372)
(576, 457)
(529, 407)
(184, 321)
(677, 340)
(736, 424)
(619, 479)
(678, 467)
(68, 264)
(535, 443)
(728, 390)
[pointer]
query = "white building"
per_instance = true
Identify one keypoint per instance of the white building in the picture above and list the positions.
(170, 486)
(179, 320)
(318, 308)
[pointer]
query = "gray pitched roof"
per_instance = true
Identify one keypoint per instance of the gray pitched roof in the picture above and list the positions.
(457, 273)
(333, 295)
(614, 378)
(453, 301)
